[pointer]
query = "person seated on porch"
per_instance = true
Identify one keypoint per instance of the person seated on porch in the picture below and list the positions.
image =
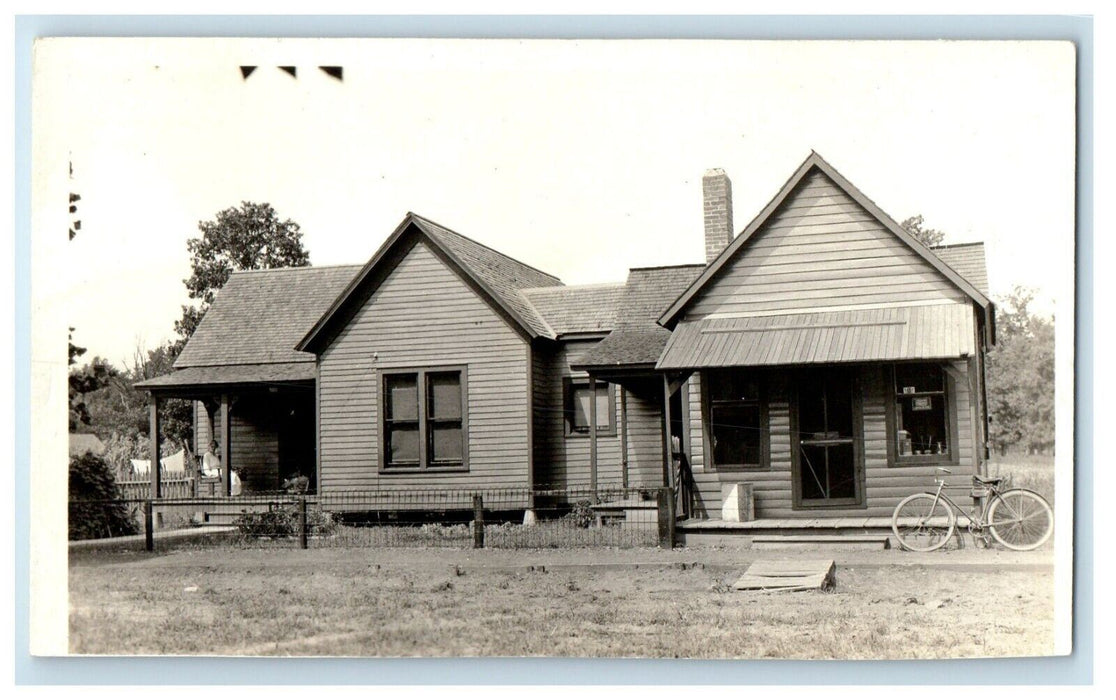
(211, 468)
(211, 461)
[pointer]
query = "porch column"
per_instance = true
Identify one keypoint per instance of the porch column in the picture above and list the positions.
(226, 435)
(153, 432)
(593, 436)
(668, 456)
(623, 437)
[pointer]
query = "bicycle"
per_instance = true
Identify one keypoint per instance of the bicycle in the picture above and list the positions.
(1018, 519)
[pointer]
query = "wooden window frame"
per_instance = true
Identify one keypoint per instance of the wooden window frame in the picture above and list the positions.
(424, 465)
(948, 394)
(707, 405)
(569, 385)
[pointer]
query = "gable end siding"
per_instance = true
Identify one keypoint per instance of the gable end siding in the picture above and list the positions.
(424, 315)
(821, 249)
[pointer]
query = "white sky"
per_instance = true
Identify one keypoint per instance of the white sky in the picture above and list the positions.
(581, 158)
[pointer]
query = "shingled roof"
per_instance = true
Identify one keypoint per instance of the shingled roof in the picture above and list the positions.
(260, 315)
(967, 260)
(637, 338)
(585, 308)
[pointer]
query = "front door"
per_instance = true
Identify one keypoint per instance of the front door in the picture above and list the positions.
(827, 441)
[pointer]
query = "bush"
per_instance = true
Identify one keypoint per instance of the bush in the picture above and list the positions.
(282, 521)
(582, 514)
(93, 489)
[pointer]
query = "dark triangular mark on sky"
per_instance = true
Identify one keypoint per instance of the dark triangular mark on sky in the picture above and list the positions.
(246, 71)
(334, 71)
(289, 69)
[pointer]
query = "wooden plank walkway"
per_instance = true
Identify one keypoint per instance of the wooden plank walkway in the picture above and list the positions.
(801, 575)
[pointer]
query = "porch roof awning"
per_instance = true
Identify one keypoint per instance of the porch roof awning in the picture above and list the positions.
(937, 331)
(262, 374)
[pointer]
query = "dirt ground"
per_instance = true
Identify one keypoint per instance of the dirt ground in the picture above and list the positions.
(223, 600)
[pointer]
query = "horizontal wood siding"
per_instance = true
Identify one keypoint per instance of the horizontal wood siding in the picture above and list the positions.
(821, 249)
(885, 485)
(645, 440)
(255, 444)
(541, 361)
(424, 315)
(564, 460)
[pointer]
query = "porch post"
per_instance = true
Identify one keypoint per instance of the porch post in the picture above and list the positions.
(593, 436)
(226, 434)
(668, 457)
(153, 432)
(623, 437)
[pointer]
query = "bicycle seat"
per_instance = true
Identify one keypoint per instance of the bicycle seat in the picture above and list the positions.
(987, 481)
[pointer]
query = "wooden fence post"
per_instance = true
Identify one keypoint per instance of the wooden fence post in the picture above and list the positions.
(302, 522)
(478, 522)
(148, 526)
(666, 517)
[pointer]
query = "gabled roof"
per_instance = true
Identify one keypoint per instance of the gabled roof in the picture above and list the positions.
(637, 339)
(259, 316)
(584, 308)
(496, 277)
(968, 260)
(816, 162)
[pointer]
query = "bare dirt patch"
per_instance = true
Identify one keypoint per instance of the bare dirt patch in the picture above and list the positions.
(590, 602)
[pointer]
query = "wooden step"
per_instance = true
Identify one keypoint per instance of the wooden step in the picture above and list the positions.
(858, 542)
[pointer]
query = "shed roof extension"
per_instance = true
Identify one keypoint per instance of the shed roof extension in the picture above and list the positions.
(583, 308)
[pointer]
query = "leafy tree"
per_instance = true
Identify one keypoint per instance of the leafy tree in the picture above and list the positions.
(95, 510)
(84, 381)
(928, 237)
(117, 408)
(1021, 377)
(248, 237)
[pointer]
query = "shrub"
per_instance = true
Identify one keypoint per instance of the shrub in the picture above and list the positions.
(282, 521)
(94, 510)
(582, 514)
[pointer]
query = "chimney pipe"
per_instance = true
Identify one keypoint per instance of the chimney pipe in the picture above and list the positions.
(717, 199)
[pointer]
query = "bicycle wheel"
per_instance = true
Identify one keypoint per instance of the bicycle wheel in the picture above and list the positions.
(923, 522)
(1020, 519)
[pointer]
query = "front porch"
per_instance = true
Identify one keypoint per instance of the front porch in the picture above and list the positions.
(262, 419)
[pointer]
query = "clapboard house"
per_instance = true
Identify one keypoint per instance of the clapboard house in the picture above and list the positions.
(822, 362)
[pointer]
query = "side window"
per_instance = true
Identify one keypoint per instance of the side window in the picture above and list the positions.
(578, 396)
(423, 420)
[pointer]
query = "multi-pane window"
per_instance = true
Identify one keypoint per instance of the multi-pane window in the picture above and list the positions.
(736, 420)
(921, 413)
(579, 396)
(423, 419)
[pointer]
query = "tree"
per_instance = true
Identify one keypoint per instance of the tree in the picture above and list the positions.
(1021, 377)
(928, 237)
(84, 381)
(248, 237)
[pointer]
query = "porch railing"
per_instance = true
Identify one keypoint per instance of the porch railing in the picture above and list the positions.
(174, 486)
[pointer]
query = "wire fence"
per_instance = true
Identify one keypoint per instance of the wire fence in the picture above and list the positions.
(501, 518)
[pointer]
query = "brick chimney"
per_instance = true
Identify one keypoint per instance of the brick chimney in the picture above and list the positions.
(717, 199)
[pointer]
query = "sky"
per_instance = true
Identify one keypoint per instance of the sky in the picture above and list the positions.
(582, 158)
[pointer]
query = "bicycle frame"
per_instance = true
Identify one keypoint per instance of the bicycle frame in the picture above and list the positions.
(975, 521)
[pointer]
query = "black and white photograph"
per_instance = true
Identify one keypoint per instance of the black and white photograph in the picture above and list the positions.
(692, 349)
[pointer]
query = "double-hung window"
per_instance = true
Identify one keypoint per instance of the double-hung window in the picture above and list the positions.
(423, 420)
(922, 415)
(579, 395)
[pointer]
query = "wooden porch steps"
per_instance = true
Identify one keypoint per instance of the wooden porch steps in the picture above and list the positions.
(848, 541)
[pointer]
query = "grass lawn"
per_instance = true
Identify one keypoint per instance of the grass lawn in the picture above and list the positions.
(221, 599)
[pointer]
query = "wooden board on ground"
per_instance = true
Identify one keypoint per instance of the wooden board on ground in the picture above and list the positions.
(802, 575)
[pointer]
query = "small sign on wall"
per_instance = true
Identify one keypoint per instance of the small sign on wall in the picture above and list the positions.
(909, 390)
(921, 403)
